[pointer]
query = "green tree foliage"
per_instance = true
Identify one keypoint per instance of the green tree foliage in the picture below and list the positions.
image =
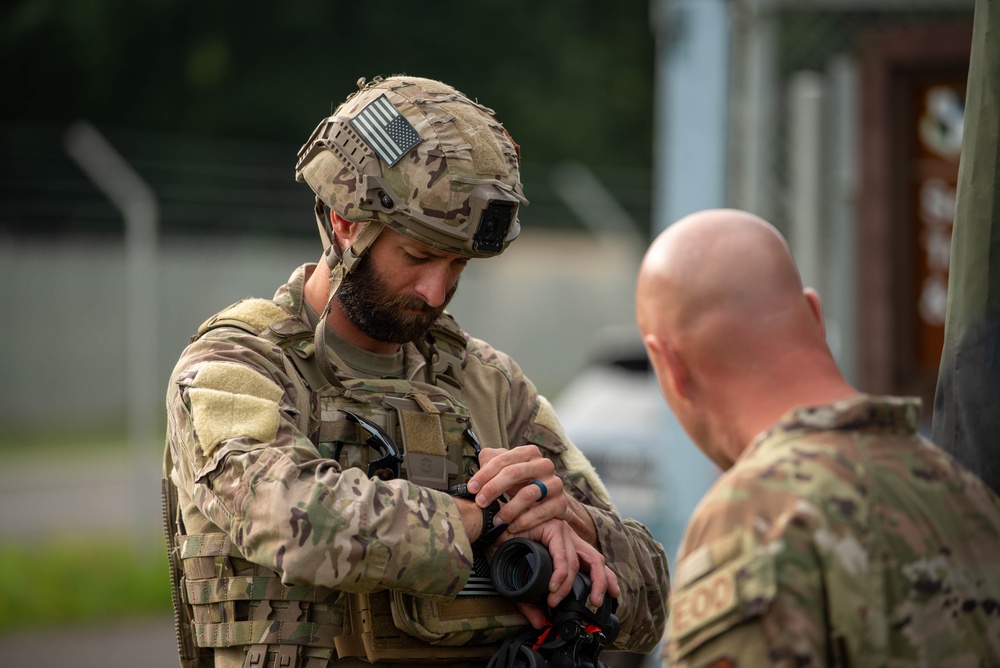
(571, 79)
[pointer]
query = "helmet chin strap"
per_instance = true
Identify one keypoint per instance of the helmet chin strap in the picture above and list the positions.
(340, 264)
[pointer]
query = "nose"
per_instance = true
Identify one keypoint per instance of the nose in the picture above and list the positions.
(434, 282)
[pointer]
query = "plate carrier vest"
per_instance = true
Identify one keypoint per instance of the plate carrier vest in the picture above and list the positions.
(223, 600)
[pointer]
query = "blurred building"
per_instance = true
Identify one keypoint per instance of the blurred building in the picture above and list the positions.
(840, 121)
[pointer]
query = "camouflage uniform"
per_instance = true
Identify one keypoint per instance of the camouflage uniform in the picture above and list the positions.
(250, 470)
(841, 537)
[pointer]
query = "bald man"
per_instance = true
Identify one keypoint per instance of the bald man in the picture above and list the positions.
(837, 535)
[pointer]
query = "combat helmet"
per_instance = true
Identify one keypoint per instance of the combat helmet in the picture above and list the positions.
(421, 158)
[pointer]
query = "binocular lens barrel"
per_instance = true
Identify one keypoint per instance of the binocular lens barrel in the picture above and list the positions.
(521, 570)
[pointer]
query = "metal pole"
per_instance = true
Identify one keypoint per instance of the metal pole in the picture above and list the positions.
(805, 175)
(692, 95)
(841, 274)
(597, 207)
(137, 202)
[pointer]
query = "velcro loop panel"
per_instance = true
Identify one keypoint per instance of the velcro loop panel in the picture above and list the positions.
(258, 313)
(219, 416)
(422, 433)
(233, 401)
(487, 156)
(236, 379)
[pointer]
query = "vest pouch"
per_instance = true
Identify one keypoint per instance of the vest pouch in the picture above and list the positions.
(465, 620)
(373, 618)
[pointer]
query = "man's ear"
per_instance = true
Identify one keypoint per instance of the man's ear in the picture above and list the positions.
(670, 368)
(344, 231)
(816, 306)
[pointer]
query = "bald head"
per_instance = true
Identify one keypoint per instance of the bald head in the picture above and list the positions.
(714, 269)
(723, 313)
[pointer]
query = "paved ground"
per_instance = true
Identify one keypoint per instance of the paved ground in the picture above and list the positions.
(40, 499)
(148, 643)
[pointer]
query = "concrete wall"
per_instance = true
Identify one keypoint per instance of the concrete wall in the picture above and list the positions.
(63, 340)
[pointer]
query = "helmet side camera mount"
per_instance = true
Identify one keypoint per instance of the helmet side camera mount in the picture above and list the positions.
(494, 224)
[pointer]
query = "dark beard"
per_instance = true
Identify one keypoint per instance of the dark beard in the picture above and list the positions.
(378, 312)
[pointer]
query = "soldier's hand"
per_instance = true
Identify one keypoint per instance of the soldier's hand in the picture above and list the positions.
(513, 472)
(570, 554)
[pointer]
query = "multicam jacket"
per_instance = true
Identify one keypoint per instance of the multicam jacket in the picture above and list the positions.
(252, 470)
(841, 537)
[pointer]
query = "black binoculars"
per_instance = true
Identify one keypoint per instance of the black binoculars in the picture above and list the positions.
(521, 570)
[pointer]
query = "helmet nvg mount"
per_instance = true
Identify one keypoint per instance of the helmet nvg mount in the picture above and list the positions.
(421, 158)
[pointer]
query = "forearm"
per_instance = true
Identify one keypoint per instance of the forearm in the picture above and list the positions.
(640, 564)
(316, 525)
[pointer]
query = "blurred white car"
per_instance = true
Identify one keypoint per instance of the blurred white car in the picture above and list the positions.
(614, 412)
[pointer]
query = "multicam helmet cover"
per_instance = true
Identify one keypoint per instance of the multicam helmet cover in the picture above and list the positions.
(421, 158)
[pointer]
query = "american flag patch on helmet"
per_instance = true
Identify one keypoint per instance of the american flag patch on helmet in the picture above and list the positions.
(385, 130)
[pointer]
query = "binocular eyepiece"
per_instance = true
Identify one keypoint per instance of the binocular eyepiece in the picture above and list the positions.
(521, 570)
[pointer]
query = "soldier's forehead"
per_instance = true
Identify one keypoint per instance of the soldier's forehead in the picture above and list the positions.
(399, 239)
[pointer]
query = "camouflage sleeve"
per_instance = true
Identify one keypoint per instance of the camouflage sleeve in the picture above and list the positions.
(636, 558)
(752, 608)
(749, 588)
(238, 454)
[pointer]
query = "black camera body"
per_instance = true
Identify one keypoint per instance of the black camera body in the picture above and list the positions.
(521, 570)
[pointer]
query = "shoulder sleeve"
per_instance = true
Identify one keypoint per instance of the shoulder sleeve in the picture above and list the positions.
(748, 588)
(240, 451)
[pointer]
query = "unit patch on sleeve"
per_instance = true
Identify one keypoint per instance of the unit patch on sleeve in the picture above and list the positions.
(704, 601)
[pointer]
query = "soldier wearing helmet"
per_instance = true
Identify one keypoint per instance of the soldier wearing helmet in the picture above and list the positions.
(343, 459)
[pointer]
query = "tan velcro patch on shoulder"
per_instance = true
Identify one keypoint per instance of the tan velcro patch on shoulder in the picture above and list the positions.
(237, 379)
(572, 457)
(720, 601)
(259, 313)
(233, 401)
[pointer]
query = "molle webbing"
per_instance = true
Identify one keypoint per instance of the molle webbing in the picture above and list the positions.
(236, 602)
(447, 355)
(189, 653)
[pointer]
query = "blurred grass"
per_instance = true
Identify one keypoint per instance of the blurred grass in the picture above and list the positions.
(81, 580)
(25, 446)
(77, 578)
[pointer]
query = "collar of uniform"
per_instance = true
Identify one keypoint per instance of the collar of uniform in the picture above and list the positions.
(884, 413)
(291, 294)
